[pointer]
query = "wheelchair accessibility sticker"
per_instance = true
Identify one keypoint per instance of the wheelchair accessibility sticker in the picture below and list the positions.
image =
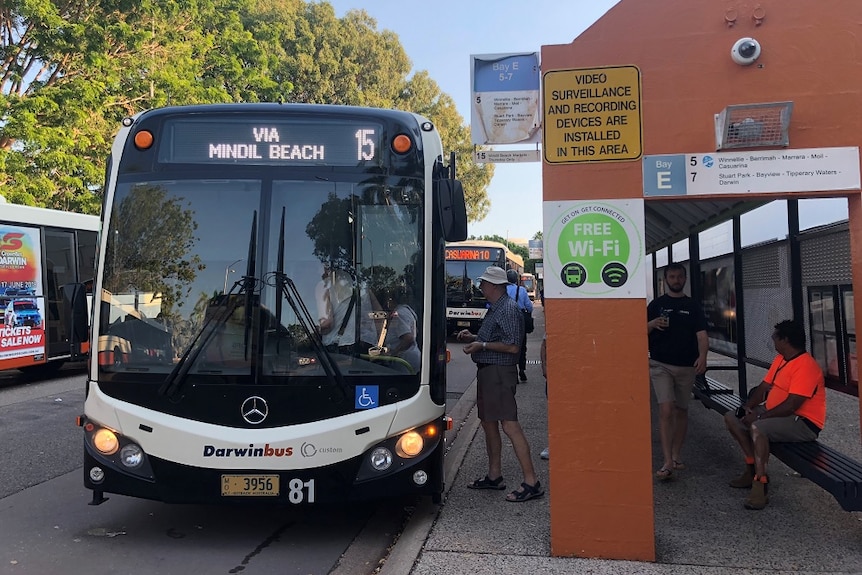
(367, 396)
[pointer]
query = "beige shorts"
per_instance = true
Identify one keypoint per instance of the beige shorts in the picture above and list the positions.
(671, 383)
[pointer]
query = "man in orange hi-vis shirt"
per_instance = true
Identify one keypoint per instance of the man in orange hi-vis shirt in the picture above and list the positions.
(788, 405)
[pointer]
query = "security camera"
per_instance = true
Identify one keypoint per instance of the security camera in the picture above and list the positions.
(745, 51)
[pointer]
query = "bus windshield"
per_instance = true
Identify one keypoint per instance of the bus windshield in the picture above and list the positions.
(462, 280)
(176, 248)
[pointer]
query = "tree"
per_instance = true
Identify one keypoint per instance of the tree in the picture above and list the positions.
(73, 70)
(529, 264)
(423, 96)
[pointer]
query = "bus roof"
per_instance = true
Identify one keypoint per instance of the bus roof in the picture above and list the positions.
(269, 108)
(17, 214)
(474, 243)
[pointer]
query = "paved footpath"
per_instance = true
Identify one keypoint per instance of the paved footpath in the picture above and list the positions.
(701, 525)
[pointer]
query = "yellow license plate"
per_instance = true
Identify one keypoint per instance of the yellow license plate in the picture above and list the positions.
(249, 485)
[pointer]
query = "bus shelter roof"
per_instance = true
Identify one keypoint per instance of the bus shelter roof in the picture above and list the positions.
(671, 220)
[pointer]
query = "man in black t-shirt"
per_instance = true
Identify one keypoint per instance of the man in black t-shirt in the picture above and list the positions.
(678, 345)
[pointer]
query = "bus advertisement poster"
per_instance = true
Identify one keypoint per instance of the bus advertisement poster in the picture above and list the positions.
(22, 311)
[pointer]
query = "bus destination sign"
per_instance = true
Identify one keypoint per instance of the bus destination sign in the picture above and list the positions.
(257, 141)
(483, 254)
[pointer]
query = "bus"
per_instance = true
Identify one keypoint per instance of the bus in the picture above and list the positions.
(528, 282)
(465, 262)
(248, 267)
(44, 255)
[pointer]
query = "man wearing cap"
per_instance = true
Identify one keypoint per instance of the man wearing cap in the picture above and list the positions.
(495, 351)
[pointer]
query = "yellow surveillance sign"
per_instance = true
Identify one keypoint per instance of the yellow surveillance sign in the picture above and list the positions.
(592, 115)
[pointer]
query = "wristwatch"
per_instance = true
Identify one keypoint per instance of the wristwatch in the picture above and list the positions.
(484, 345)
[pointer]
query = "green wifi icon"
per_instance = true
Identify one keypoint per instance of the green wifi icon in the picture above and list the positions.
(615, 274)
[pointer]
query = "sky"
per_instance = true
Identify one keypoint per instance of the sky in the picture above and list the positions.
(442, 42)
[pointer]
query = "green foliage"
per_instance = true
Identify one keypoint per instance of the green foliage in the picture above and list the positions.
(423, 96)
(73, 69)
(529, 265)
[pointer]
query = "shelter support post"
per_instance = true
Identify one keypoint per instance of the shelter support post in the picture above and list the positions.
(599, 421)
(739, 292)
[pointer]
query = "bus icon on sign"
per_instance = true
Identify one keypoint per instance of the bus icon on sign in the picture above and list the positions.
(574, 274)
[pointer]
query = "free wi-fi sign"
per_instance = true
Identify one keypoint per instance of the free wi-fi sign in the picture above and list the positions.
(594, 249)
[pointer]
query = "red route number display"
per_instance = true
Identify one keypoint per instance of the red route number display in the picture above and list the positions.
(469, 254)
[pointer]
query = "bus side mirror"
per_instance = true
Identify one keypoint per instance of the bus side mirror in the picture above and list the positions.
(453, 210)
(75, 308)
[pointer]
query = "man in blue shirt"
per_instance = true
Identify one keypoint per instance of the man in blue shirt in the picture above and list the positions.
(519, 294)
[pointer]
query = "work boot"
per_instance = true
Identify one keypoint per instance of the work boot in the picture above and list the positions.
(757, 499)
(744, 480)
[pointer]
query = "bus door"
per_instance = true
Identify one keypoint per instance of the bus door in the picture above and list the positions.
(60, 269)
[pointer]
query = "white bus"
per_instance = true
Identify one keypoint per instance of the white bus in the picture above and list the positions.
(528, 282)
(465, 262)
(272, 315)
(43, 254)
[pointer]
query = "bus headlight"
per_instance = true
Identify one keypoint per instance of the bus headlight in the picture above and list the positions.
(401, 452)
(131, 455)
(112, 450)
(409, 445)
(105, 441)
(381, 459)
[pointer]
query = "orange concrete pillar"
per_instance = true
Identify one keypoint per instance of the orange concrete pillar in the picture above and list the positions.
(598, 397)
(599, 423)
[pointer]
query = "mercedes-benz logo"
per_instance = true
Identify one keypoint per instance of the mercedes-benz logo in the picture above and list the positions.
(254, 409)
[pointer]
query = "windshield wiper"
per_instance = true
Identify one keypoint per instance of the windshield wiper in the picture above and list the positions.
(227, 306)
(288, 290)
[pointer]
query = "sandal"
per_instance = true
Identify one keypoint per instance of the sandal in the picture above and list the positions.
(526, 493)
(678, 465)
(664, 474)
(488, 483)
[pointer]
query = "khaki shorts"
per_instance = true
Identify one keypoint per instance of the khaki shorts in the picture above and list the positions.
(495, 392)
(671, 383)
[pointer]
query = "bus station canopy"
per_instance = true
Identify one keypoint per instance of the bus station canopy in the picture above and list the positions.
(671, 220)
